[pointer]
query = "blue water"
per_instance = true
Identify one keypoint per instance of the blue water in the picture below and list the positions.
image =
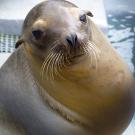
(121, 34)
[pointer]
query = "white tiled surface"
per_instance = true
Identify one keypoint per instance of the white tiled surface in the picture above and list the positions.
(3, 57)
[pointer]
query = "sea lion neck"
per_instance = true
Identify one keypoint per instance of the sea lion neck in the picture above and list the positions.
(49, 91)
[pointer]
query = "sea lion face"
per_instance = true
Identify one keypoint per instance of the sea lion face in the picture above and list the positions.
(63, 31)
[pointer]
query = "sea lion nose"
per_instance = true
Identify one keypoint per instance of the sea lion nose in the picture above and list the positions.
(72, 39)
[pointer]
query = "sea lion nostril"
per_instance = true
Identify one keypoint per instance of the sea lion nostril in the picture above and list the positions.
(72, 39)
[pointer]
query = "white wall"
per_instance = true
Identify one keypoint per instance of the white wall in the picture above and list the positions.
(96, 7)
(13, 12)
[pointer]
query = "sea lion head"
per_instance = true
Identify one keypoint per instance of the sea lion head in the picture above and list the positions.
(60, 28)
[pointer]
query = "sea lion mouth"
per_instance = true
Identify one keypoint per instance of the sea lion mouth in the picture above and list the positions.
(72, 54)
(81, 49)
(77, 56)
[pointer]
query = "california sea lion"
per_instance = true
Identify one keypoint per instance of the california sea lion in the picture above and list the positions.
(65, 78)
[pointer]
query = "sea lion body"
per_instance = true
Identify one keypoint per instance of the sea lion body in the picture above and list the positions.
(22, 110)
(65, 78)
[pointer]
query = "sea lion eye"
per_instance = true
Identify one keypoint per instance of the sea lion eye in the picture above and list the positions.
(37, 34)
(83, 18)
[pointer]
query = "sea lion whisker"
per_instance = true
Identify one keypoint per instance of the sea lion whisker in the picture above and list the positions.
(92, 46)
(47, 64)
(67, 60)
(60, 61)
(58, 65)
(42, 68)
(47, 58)
(54, 44)
(82, 46)
(63, 65)
(95, 48)
(51, 69)
(94, 54)
(64, 60)
(88, 52)
(54, 64)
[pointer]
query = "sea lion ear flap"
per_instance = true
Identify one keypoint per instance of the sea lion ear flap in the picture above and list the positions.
(19, 42)
(89, 13)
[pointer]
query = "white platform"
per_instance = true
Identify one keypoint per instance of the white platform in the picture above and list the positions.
(3, 58)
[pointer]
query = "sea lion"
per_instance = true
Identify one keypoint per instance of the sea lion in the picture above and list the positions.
(65, 78)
